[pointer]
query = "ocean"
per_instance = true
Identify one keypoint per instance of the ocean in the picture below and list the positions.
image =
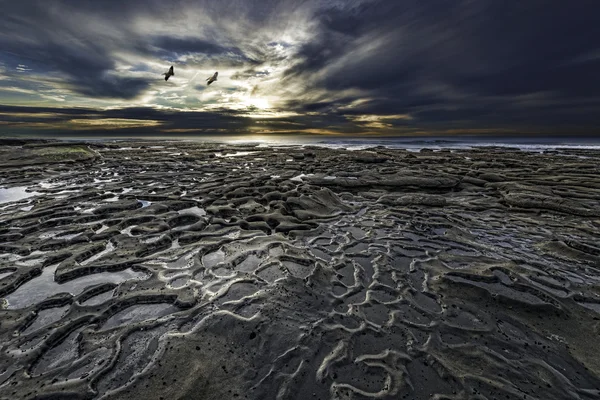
(534, 144)
(433, 143)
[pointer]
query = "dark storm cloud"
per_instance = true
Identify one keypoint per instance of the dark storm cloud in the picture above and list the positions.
(463, 63)
(410, 55)
(20, 119)
(467, 43)
(79, 39)
(170, 48)
(38, 39)
(188, 45)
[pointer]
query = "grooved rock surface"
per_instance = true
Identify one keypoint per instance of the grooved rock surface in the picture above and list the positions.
(181, 270)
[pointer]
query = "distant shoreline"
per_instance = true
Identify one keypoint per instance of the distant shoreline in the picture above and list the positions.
(534, 144)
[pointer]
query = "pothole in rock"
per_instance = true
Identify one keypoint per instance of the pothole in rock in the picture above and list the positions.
(249, 264)
(298, 270)
(237, 291)
(211, 259)
(179, 282)
(271, 273)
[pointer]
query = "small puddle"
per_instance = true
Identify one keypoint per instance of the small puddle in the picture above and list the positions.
(44, 286)
(298, 178)
(15, 194)
(109, 247)
(179, 282)
(5, 274)
(138, 313)
(249, 264)
(102, 229)
(47, 317)
(236, 154)
(63, 353)
(591, 306)
(98, 299)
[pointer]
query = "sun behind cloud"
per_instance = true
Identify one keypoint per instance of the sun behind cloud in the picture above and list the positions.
(355, 67)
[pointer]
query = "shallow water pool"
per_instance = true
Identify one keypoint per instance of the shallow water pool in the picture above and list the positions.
(8, 195)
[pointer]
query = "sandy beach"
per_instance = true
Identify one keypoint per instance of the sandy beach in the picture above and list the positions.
(187, 270)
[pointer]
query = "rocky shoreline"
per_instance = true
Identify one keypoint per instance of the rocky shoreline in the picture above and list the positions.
(148, 269)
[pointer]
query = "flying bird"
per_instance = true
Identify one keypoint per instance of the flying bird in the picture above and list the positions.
(169, 73)
(212, 78)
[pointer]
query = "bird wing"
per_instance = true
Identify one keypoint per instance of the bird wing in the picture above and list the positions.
(171, 71)
(166, 77)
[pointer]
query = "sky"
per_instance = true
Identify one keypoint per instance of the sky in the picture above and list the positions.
(300, 67)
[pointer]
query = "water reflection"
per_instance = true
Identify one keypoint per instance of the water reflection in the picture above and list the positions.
(15, 194)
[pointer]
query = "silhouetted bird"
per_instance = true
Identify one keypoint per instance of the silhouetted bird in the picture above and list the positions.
(212, 78)
(169, 73)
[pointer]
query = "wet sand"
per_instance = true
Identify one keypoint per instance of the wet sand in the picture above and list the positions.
(177, 270)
